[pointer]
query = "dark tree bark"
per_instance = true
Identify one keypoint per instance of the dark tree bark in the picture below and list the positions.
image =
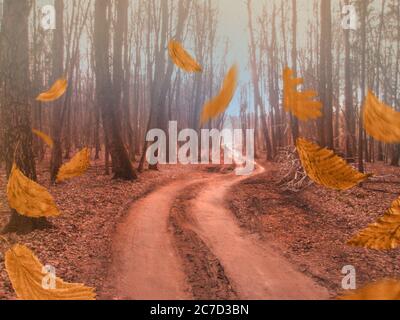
(293, 120)
(364, 8)
(380, 156)
(15, 107)
(349, 112)
(326, 86)
(58, 70)
(162, 73)
(396, 148)
(258, 103)
(121, 165)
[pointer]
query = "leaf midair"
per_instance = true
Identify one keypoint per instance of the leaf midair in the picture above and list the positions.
(300, 104)
(387, 289)
(25, 272)
(325, 168)
(182, 58)
(55, 92)
(29, 198)
(76, 167)
(46, 139)
(381, 121)
(383, 234)
(220, 103)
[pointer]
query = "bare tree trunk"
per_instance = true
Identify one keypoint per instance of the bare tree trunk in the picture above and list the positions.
(258, 103)
(163, 70)
(364, 8)
(380, 156)
(326, 86)
(122, 167)
(293, 120)
(396, 149)
(58, 70)
(349, 112)
(15, 107)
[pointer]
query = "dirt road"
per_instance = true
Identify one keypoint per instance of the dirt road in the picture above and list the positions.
(147, 264)
(255, 271)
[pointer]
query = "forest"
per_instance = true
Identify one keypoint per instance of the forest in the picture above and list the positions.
(310, 88)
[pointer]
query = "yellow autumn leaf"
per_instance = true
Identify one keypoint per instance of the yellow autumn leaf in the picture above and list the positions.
(182, 58)
(27, 277)
(29, 198)
(220, 103)
(75, 167)
(55, 92)
(49, 141)
(300, 104)
(383, 234)
(387, 289)
(381, 121)
(325, 168)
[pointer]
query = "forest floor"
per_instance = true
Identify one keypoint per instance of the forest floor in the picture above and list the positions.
(204, 233)
(182, 242)
(310, 228)
(79, 242)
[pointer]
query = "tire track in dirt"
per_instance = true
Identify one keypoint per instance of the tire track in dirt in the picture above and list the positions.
(182, 243)
(146, 265)
(204, 272)
(254, 269)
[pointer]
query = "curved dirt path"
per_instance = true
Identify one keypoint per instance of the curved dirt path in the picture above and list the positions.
(147, 265)
(254, 269)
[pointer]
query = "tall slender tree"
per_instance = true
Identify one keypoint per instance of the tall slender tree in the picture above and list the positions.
(326, 85)
(15, 106)
(121, 165)
(58, 71)
(293, 119)
(258, 102)
(361, 134)
(349, 111)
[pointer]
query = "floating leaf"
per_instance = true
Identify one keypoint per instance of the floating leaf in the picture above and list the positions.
(387, 289)
(26, 274)
(381, 121)
(383, 234)
(325, 168)
(75, 167)
(49, 141)
(55, 92)
(29, 198)
(301, 104)
(182, 58)
(220, 103)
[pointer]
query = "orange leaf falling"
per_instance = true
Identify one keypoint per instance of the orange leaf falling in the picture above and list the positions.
(182, 58)
(387, 289)
(26, 275)
(49, 141)
(381, 121)
(325, 168)
(220, 103)
(300, 104)
(384, 234)
(55, 92)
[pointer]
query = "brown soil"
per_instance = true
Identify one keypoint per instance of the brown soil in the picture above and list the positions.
(171, 235)
(205, 274)
(253, 268)
(146, 265)
(204, 255)
(79, 243)
(311, 227)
